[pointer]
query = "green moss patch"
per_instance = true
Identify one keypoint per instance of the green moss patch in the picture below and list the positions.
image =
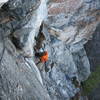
(92, 82)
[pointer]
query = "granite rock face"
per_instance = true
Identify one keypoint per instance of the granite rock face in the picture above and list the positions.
(20, 78)
(61, 27)
(70, 24)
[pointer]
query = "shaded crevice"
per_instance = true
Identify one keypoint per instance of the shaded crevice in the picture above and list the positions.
(40, 38)
(17, 43)
(3, 48)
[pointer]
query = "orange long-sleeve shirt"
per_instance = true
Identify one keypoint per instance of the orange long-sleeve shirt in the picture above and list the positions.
(44, 58)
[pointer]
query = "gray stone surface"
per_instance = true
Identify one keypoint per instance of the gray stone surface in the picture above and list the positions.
(66, 28)
(20, 79)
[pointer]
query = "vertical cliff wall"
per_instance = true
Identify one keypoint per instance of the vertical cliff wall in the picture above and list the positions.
(61, 27)
(19, 76)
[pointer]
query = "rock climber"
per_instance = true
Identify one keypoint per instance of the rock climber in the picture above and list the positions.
(43, 56)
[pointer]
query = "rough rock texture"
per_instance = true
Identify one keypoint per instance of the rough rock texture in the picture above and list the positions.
(70, 24)
(19, 76)
(27, 28)
(2, 2)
